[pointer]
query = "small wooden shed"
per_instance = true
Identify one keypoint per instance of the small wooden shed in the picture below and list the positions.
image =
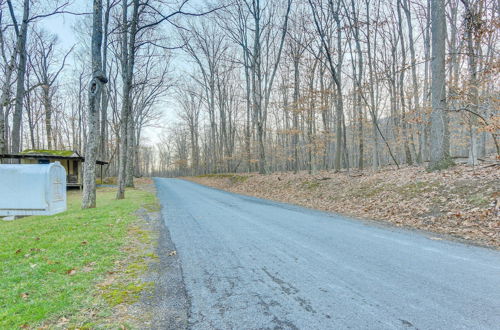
(71, 160)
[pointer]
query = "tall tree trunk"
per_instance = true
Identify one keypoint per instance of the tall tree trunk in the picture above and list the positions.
(95, 89)
(125, 107)
(213, 125)
(248, 134)
(296, 131)
(472, 21)
(128, 57)
(426, 93)
(358, 76)
(21, 72)
(415, 92)
(103, 143)
(439, 145)
(325, 117)
(257, 88)
(371, 88)
(404, 124)
(4, 100)
(310, 121)
(131, 153)
(337, 77)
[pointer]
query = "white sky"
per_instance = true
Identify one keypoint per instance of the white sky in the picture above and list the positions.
(63, 26)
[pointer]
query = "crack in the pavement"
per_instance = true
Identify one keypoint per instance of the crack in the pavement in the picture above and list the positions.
(285, 287)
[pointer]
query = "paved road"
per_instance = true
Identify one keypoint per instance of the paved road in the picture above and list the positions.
(250, 263)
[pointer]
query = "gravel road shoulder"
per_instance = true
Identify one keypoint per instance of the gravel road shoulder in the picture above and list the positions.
(168, 302)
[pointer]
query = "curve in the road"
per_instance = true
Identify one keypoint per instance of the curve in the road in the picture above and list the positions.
(250, 263)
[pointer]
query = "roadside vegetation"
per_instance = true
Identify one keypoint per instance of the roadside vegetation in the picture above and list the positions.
(73, 269)
(463, 202)
(233, 178)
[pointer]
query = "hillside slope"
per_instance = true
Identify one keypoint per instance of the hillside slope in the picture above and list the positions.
(462, 202)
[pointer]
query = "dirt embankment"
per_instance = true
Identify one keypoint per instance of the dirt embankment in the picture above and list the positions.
(462, 202)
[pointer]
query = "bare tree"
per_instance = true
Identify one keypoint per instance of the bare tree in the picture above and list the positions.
(10, 63)
(207, 48)
(191, 102)
(22, 36)
(128, 48)
(352, 77)
(323, 18)
(439, 120)
(95, 90)
(44, 63)
(473, 22)
(264, 61)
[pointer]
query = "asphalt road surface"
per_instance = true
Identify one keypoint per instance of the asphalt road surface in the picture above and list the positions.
(250, 263)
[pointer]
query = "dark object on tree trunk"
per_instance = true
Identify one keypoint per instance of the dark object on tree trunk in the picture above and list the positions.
(95, 89)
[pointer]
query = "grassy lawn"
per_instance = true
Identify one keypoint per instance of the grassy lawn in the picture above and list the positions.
(50, 265)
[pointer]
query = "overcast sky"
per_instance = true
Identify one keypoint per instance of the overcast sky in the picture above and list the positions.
(63, 26)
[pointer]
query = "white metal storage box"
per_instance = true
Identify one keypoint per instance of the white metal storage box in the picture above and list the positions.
(32, 189)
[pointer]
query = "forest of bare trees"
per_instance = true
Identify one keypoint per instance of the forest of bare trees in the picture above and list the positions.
(322, 84)
(250, 85)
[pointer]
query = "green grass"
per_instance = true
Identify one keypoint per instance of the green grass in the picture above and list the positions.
(50, 265)
(125, 293)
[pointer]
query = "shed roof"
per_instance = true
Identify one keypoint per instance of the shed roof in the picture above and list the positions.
(64, 153)
(53, 154)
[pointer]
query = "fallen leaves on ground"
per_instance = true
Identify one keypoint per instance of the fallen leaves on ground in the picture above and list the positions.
(71, 272)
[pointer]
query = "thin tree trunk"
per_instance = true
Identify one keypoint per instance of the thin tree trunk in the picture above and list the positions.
(310, 122)
(415, 91)
(340, 102)
(358, 76)
(129, 181)
(404, 124)
(128, 57)
(295, 135)
(373, 113)
(48, 115)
